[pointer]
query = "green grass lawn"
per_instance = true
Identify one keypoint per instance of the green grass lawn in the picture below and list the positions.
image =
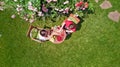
(95, 44)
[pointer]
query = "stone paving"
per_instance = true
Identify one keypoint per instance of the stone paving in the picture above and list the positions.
(113, 15)
(106, 5)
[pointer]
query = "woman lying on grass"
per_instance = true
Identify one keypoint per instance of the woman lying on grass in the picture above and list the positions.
(69, 26)
(45, 34)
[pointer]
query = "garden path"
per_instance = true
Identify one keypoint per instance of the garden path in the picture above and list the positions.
(114, 16)
(105, 5)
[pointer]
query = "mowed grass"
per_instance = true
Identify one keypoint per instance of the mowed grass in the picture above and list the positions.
(95, 44)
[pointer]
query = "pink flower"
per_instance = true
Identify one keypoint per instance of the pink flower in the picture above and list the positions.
(44, 9)
(40, 14)
(76, 15)
(30, 7)
(66, 10)
(86, 5)
(19, 8)
(31, 20)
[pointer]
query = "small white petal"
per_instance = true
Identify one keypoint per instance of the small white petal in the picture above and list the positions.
(15, 0)
(56, 9)
(35, 9)
(54, 0)
(30, 7)
(48, 1)
(31, 20)
(61, 10)
(66, 2)
(40, 14)
(30, 3)
(13, 16)
(1, 8)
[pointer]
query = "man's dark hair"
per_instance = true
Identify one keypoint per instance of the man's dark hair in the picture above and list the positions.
(43, 33)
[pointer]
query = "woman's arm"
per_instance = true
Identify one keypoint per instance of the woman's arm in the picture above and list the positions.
(63, 24)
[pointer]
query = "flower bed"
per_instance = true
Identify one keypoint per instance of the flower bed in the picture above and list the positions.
(31, 10)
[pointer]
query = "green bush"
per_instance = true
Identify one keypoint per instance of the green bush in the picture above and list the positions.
(30, 10)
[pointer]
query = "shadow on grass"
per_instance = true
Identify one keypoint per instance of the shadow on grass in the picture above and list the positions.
(68, 36)
(79, 25)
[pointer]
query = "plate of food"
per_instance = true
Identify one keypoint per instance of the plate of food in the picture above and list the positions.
(58, 38)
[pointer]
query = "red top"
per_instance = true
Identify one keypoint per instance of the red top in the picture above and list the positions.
(68, 23)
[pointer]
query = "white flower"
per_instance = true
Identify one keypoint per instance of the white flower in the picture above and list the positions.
(18, 13)
(18, 5)
(31, 20)
(96, 1)
(54, 0)
(29, 3)
(1, 8)
(61, 10)
(13, 16)
(76, 14)
(15, 0)
(35, 9)
(48, 1)
(66, 10)
(66, 2)
(19, 9)
(56, 9)
(26, 19)
(83, 8)
(30, 7)
(70, 9)
(40, 14)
